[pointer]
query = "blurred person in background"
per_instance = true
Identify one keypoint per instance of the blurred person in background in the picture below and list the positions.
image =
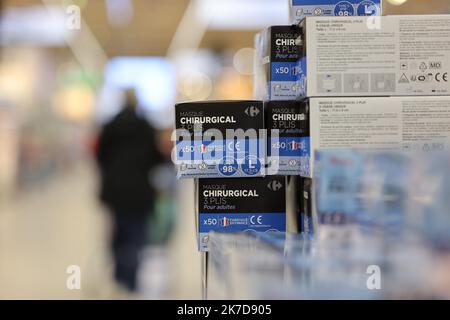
(127, 152)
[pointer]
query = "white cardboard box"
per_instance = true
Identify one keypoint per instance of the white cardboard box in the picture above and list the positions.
(384, 123)
(376, 56)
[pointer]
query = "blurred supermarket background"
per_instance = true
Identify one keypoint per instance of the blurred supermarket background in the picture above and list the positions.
(63, 68)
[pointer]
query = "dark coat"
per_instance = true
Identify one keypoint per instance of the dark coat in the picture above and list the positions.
(126, 154)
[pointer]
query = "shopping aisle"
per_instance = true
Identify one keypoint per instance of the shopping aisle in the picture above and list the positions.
(44, 231)
(174, 272)
(185, 258)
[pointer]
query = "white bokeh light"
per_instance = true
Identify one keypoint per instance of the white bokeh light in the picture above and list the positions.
(243, 61)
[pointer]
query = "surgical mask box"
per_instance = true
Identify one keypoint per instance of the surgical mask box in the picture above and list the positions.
(287, 124)
(240, 205)
(380, 123)
(375, 56)
(281, 51)
(300, 9)
(220, 139)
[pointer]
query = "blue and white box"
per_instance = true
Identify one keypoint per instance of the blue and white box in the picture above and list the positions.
(287, 124)
(220, 139)
(300, 9)
(254, 205)
(282, 51)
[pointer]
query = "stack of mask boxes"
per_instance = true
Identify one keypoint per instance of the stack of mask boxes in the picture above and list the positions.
(279, 55)
(286, 119)
(375, 82)
(222, 145)
(339, 76)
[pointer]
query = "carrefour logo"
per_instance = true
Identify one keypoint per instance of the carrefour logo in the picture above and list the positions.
(274, 185)
(252, 111)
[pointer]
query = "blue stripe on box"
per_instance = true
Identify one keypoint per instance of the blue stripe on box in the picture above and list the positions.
(235, 222)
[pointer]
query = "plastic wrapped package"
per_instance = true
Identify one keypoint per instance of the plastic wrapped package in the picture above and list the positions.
(293, 266)
(363, 187)
(429, 205)
(238, 263)
(397, 199)
(283, 267)
(395, 194)
(383, 224)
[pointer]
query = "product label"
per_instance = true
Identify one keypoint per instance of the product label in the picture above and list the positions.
(289, 156)
(227, 158)
(306, 8)
(395, 123)
(240, 205)
(378, 56)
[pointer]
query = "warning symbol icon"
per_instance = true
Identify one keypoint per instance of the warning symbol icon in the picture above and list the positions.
(403, 79)
(423, 66)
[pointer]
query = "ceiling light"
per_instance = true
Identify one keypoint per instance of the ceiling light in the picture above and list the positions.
(120, 12)
(242, 14)
(397, 2)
